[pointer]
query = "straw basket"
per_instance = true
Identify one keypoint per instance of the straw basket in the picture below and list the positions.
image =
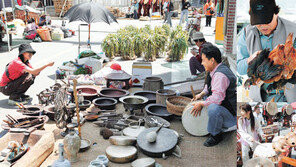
(177, 104)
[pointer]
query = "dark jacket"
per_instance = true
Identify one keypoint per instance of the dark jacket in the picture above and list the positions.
(230, 99)
(185, 5)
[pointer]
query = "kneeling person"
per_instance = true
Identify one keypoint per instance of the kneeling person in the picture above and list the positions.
(220, 89)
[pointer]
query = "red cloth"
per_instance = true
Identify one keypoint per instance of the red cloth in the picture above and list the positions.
(16, 69)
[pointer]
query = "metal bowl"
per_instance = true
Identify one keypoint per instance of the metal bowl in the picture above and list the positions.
(105, 103)
(85, 104)
(85, 145)
(113, 93)
(132, 103)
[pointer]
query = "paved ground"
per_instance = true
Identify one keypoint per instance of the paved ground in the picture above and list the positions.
(67, 49)
(194, 154)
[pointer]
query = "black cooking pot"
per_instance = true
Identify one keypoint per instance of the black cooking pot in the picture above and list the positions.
(105, 103)
(132, 103)
(159, 110)
(150, 95)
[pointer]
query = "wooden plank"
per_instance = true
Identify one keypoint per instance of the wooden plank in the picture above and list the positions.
(37, 154)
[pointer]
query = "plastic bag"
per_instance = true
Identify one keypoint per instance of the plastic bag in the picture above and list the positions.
(92, 63)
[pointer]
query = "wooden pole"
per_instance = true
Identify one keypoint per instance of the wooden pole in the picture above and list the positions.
(77, 108)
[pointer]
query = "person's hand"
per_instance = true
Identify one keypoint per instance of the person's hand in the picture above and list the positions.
(196, 111)
(193, 52)
(50, 64)
(253, 56)
(197, 97)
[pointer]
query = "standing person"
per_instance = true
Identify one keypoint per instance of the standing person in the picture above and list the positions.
(136, 8)
(146, 6)
(220, 89)
(195, 62)
(140, 8)
(209, 12)
(168, 8)
(184, 12)
(258, 115)
(19, 75)
(249, 129)
(155, 6)
(267, 30)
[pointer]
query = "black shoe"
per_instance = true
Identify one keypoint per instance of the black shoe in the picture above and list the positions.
(25, 97)
(213, 140)
(13, 102)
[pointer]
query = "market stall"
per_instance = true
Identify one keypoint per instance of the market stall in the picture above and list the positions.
(277, 142)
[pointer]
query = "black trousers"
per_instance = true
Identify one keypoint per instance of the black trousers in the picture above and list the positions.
(208, 20)
(14, 89)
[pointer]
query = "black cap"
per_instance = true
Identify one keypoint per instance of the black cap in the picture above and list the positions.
(262, 11)
(26, 48)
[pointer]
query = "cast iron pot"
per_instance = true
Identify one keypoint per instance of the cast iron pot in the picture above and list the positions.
(148, 94)
(132, 103)
(159, 110)
(105, 103)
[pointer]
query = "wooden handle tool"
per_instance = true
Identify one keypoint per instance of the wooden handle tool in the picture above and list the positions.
(77, 108)
(192, 91)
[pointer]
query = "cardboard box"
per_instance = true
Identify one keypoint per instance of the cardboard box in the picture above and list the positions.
(140, 71)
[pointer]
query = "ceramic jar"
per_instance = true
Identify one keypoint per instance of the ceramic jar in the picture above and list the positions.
(61, 162)
(72, 145)
(96, 163)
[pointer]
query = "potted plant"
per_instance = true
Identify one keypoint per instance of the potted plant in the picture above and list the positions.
(160, 41)
(110, 45)
(178, 45)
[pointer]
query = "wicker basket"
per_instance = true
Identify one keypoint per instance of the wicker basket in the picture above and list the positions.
(177, 104)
